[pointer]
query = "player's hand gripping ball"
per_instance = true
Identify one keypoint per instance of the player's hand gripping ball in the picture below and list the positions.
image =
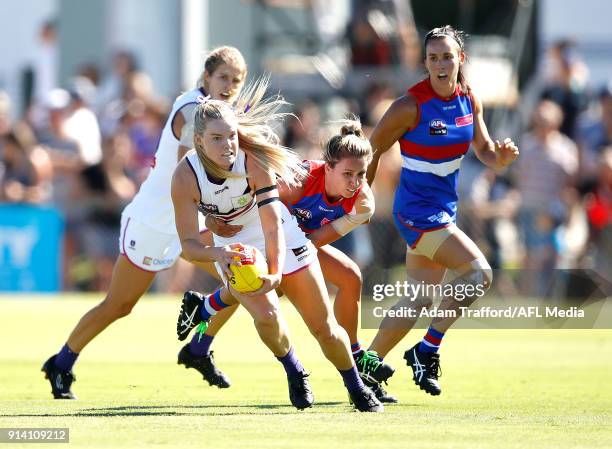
(246, 277)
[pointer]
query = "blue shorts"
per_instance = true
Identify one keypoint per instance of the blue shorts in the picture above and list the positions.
(410, 233)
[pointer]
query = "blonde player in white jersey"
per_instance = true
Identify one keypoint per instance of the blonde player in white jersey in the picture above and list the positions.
(148, 239)
(233, 175)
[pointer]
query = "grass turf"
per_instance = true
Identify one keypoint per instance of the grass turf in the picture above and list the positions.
(503, 389)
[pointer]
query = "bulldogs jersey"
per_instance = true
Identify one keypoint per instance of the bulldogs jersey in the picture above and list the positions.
(426, 197)
(313, 209)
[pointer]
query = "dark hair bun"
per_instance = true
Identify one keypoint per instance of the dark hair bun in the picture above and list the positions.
(351, 128)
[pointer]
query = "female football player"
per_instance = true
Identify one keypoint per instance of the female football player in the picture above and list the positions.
(232, 175)
(328, 203)
(148, 240)
(435, 123)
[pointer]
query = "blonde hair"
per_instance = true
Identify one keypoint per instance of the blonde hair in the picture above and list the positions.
(219, 56)
(350, 142)
(255, 136)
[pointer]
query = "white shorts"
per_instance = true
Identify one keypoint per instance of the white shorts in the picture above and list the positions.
(147, 248)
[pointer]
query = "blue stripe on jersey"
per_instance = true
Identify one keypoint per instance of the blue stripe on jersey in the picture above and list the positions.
(443, 133)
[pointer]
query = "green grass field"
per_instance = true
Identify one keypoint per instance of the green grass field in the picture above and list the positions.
(502, 389)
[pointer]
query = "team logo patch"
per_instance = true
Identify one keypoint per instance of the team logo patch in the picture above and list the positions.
(147, 261)
(325, 221)
(302, 214)
(241, 201)
(437, 127)
(464, 121)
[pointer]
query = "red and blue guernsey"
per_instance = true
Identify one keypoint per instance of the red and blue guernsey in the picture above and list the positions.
(314, 209)
(432, 150)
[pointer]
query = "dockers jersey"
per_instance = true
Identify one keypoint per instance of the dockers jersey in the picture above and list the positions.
(153, 202)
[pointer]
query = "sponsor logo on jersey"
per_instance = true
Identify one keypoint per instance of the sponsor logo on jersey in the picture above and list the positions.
(152, 261)
(321, 208)
(303, 214)
(437, 127)
(132, 244)
(446, 108)
(241, 201)
(208, 208)
(300, 250)
(217, 192)
(464, 121)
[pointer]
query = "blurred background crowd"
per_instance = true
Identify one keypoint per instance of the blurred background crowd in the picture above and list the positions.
(83, 143)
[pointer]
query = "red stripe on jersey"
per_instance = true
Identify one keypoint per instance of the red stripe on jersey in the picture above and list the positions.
(423, 92)
(315, 183)
(429, 152)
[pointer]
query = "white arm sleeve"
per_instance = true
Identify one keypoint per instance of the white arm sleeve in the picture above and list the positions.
(361, 213)
(188, 112)
(348, 222)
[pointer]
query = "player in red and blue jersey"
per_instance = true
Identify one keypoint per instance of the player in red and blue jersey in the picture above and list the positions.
(435, 123)
(329, 203)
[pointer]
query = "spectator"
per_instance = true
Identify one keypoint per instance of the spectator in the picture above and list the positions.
(5, 113)
(26, 169)
(599, 212)
(107, 189)
(566, 84)
(545, 174)
(45, 71)
(595, 135)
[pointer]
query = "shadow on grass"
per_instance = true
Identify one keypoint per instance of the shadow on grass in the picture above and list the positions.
(163, 410)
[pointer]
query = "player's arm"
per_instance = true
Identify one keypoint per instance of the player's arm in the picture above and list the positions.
(268, 203)
(401, 116)
(363, 211)
(289, 194)
(182, 128)
(496, 155)
(185, 198)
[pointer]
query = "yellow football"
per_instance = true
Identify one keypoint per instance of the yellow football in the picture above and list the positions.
(246, 277)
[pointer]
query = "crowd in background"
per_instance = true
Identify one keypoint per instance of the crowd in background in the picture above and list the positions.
(85, 148)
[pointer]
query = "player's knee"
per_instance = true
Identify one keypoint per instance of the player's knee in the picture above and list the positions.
(475, 282)
(266, 318)
(325, 333)
(422, 302)
(351, 278)
(482, 274)
(115, 310)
